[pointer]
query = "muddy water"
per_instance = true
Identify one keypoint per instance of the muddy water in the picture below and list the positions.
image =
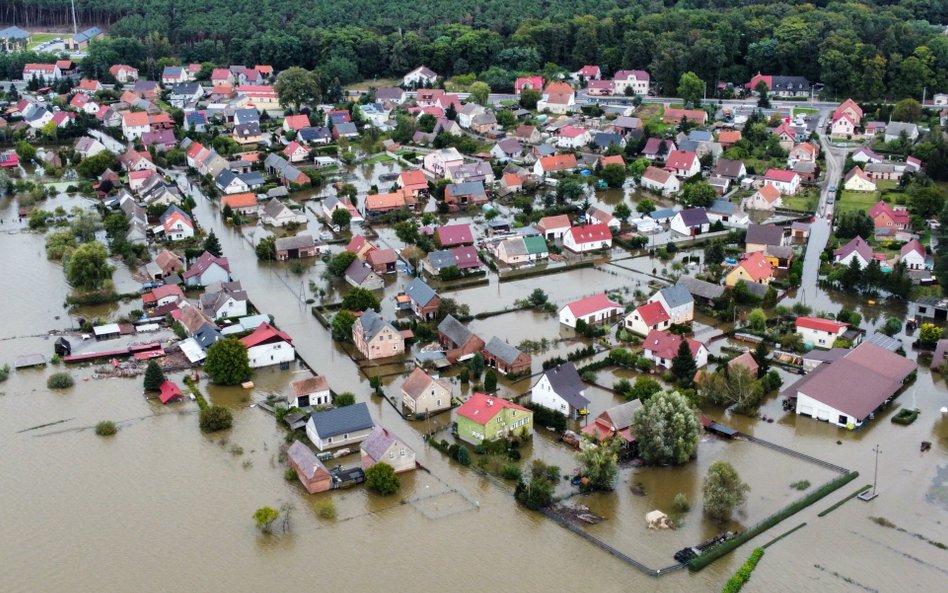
(162, 507)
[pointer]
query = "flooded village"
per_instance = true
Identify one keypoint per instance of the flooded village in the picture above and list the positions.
(515, 334)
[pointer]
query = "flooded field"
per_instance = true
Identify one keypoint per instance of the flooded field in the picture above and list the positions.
(161, 506)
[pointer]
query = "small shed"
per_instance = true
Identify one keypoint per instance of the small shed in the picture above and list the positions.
(62, 347)
(718, 429)
(29, 360)
(169, 392)
(107, 332)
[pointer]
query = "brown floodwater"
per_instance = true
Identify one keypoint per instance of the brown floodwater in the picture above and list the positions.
(161, 506)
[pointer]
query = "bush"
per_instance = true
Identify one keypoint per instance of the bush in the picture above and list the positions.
(325, 509)
(215, 418)
(681, 503)
(736, 582)
(290, 474)
(547, 417)
(382, 479)
(906, 416)
(106, 428)
(510, 471)
(801, 485)
(463, 456)
(4, 372)
(60, 381)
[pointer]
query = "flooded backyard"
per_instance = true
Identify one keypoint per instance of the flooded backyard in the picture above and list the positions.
(161, 506)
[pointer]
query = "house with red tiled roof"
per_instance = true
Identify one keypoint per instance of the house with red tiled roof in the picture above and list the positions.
(913, 256)
(557, 163)
(755, 268)
(675, 116)
(414, 182)
(295, 122)
(296, 152)
(588, 72)
(592, 310)
(660, 180)
(572, 137)
(661, 347)
(590, 237)
(123, 73)
(849, 108)
(553, 227)
(788, 182)
(819, 332)
(634, 81)
(648, 317)
(805, 152)
(454, 235)
(528, 82)
(787, 135)
(726, 138)
(268, 346)
(886, 217)
(658, 148)
(487, 418)
(683, 163)
(843, 127)
(857, 180)
(135, 124)
(765, 198)
(557, 97)
(600, 88)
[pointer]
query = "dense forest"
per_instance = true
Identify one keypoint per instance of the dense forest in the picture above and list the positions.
(871, 49)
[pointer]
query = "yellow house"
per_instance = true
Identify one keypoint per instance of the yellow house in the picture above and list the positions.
(857, 180)
(754, 269)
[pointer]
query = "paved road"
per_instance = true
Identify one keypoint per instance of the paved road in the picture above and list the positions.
(822, 225)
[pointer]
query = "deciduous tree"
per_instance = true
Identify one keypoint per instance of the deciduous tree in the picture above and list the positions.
(723, 491)
(227, 362)
(667, 429)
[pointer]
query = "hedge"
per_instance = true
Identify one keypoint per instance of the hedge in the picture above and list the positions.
(743, 574)
(699, 562)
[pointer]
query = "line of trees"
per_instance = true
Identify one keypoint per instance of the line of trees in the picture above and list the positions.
(861, 50)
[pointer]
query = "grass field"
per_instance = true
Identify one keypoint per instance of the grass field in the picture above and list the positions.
(801, 202)
(39, 38)
(856, 200)
(377, 83)
(804, 111)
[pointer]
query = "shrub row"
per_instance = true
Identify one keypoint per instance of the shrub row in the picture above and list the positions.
(743, 574)
(730, 545)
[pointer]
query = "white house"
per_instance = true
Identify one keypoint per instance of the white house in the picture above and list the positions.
(857, 180)
(683, 163)
(858, 249)
(135, 124)
(819, 332)
(788, 182)
(467, 113)
(590, 237)
(647, 317)
(766, 198)
(206, 270)
(848, 391)
(420, 76)
(660, 180)
(562, 390)
(573, 137)
(843, 127)
(637, 80)
(312, 391)
(268, 346)
(439, 161)
(277, 214)
(661, 347)
(339, 427)
(691, 222)
(678, 303)
(913, 255)
(592, 310)
(557, 97)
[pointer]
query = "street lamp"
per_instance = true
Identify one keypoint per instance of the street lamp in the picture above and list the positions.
(869, 495)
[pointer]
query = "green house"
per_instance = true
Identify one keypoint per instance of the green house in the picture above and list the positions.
(486, 418)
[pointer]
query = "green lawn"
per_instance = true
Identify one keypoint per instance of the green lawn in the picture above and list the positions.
(801, 202)
(804, 111)
(42, 38)
(856, 200)
(379, 158)
(886, 184)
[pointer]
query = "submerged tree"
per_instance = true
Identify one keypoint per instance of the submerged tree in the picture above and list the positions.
(667, 429)
(723, 491)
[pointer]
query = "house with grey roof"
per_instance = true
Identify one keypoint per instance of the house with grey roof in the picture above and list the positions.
(339, 427)
(360, 275)
(562, 390)
(691, 222)
(458, 341)
(759, 236)
(678, 303)
(895, 129)
(296, 247)
(424, 300)
(376, 338)
(705, 292)
(507, 359)
(439, 260)
(382, 446)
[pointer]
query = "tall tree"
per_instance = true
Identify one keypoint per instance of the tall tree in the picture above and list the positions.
(87, 267)
(684, 366)
(667, 429)
(154, 376)
(212, 244)
(723, 491)
(296, 87)
(227, 362)
(690, 89)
